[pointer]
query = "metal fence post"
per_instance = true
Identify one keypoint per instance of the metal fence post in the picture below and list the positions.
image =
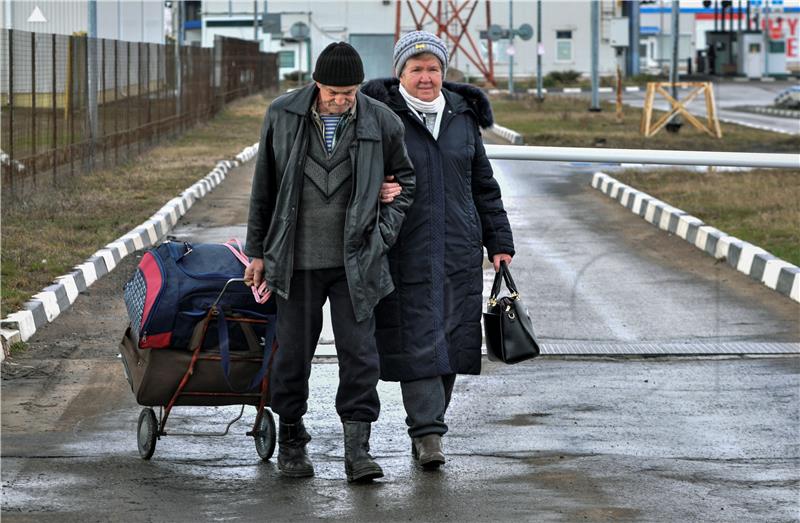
(158, 93)
(54, 107)
(128, 99)
(116, 102)
(33, 106)
(11, 108)
(102, 116)
(87, 116)
(139, 95)
(70, 102)
(92, 81)
(147, 94)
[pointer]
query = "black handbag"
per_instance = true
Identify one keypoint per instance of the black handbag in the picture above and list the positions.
(507, 326)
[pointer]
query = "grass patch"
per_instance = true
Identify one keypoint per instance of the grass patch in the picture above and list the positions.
(17, 348)
(761, 206)
(563, 121)
(48, 233)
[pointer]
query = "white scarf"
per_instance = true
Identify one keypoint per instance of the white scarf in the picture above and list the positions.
(418, 106)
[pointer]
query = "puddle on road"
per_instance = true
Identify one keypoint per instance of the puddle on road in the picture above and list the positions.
(524, 420)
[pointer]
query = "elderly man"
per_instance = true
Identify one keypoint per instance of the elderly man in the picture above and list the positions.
(317, 231)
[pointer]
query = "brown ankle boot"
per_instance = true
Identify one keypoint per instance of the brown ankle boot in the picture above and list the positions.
(428, 450)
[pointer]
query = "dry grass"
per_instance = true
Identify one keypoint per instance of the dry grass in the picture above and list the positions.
(761, 207)
(47, 234)
(564, 121)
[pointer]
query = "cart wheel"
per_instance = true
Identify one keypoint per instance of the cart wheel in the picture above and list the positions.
(147, 432)
(265, 437)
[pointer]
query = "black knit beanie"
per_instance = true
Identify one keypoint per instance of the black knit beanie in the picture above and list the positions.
(339, 65)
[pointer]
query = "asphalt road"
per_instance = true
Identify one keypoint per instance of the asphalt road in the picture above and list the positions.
(554, 439)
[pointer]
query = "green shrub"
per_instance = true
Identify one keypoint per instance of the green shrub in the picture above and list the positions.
(562, 78)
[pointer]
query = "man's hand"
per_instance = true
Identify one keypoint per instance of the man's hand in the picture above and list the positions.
(500, 258)
(254, 273)
(390, 190)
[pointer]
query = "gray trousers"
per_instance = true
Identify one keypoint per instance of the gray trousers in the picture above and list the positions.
(426, 402)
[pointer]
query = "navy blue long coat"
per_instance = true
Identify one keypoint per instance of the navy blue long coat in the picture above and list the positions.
(431, 324)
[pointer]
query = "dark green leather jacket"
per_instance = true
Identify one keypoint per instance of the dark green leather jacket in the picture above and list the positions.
(370, 227)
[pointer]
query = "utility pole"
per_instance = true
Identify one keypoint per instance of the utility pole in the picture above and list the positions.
(766, 37)
(511, 47)
(633, 38)
(595, 55)
(675, 124)
(178, 63)
(255, 20)
(91, 43)
(539, 50)
(673, 68)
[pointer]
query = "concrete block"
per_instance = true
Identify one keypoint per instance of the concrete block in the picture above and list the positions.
(786, 278)
(749, 252)
(108, 257)
(22, 322)
(684, 221)
(80, 281)
(49, 302)
(89, 274)
(760, 261)
(71, 289)
(772, 272)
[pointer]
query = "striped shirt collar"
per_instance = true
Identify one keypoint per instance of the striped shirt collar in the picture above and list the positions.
(350, 113)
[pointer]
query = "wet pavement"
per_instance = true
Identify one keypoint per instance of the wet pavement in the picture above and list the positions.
(550, 440)
(559, 438)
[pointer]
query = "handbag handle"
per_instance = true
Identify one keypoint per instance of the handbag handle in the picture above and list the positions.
(503, 274)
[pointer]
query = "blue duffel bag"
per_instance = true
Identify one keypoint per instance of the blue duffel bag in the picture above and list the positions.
(174, 287)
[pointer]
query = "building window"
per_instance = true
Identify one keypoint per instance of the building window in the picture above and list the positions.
(563, 46)
(286, 59)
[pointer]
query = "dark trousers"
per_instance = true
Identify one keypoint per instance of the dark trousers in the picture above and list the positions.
(299, 327)
(426, 402)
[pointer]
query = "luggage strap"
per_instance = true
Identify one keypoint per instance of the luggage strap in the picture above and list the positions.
(261, 294)
(225, 356)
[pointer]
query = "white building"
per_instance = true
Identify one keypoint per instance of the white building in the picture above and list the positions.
(131, 20)
(369, 25)
(696, 20)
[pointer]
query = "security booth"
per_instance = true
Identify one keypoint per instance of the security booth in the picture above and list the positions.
(751, 54)
(722, 53)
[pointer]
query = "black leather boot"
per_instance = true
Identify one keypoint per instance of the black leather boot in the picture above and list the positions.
(293, 460)
(428, 450)
(358, 464)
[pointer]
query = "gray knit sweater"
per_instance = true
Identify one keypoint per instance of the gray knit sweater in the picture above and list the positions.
(327, 183)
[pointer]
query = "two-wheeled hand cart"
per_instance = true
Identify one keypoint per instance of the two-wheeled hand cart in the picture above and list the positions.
(232, 369)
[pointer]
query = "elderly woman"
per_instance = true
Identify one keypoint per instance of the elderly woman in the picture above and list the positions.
(429, 328)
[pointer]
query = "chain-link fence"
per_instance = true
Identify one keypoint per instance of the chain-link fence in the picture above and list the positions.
(69, 103)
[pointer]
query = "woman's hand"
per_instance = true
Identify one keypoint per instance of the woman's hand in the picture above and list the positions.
(390, 190)
(500, 258)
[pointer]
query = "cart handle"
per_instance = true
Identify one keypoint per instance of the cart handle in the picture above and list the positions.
(225, 288)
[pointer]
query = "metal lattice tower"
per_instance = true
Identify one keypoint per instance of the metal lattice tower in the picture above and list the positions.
(457, 40)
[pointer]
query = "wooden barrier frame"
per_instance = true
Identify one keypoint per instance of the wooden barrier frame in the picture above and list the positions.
(712, 127)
